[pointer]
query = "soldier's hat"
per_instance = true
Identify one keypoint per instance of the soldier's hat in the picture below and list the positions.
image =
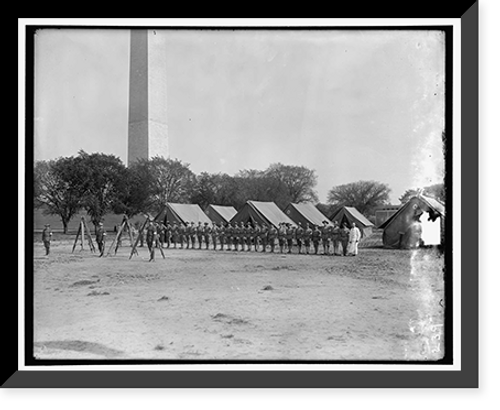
(206, 223)
(325, 222)
(47, 225)
(100, 223)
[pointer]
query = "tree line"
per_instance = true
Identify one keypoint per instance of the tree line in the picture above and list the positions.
(100, 183)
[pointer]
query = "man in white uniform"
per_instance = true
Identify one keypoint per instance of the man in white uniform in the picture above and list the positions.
(354, 237)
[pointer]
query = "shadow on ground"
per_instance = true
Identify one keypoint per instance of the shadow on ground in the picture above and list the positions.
(80, 346)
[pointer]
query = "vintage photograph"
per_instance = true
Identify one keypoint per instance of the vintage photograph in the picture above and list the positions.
(240, 195)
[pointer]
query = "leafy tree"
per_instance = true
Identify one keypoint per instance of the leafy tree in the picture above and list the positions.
(298, 181)
(365, 196)
(132, 194)
(172, 181)
(259, 186)
(158, 180)
(57, 188)
(102, 182)
(219, 189)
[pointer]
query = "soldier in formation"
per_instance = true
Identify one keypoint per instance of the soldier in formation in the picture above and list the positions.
(100, 238)
(151, 239)
(189, 235)
(175, 235)
(282, 236)
(168, 234)
(272, 235)
(214, 235)
(335, 240)
(307, 237)
(182, 235)
(220, 236)
(207, 233)
(46, 237)
(289, 234)
(316, 237)
(325, 237)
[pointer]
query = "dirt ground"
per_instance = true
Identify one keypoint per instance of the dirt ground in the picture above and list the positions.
(221, 305)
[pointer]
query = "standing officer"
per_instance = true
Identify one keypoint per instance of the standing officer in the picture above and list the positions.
(316, 237)
(46, 236)
(161, 234)
(264, 237)
(140, 233)
(151, 238)
(299, 236)
(289, 236)
(325, 238)
(271, 237)
(100, 238)
(354, 237)
(307, 237)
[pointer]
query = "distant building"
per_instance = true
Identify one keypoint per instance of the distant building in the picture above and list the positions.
(384, 212)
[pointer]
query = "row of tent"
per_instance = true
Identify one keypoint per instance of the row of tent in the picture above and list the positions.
(262, 213)
(400, 230)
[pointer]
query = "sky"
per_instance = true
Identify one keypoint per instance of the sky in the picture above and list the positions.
(350, 104)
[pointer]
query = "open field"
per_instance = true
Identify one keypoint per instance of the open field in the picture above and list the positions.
(223, 305)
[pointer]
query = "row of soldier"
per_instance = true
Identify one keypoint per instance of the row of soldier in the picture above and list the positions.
(259, 237)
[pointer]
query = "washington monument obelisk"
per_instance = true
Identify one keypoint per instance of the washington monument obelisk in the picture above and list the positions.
(147, 120)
